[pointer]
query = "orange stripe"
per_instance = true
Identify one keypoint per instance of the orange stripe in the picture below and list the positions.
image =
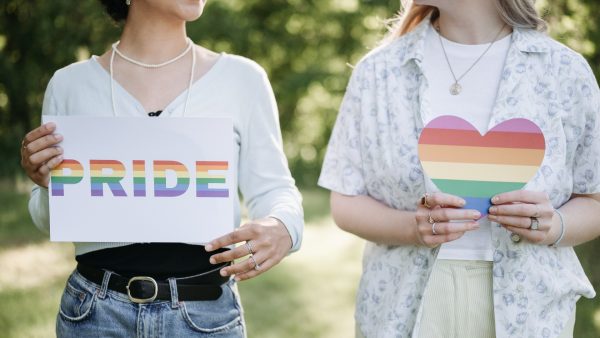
(489, 155)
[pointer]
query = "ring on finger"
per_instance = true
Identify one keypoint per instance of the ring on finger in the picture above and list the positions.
(250, 248)
(433, 228)
(424, 201)
(430, 219)
(535, 223)
(256, 265)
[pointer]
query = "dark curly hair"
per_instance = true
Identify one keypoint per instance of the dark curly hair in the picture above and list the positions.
(117, 9)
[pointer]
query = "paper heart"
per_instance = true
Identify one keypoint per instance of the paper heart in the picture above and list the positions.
(460, 161)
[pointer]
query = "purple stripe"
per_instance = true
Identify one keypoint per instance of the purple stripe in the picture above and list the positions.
(449, 122)
(213, 193)
(168, 193)
(518, 126)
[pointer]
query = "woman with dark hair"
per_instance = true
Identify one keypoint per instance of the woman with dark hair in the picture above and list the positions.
(433, 265)
(156, 70)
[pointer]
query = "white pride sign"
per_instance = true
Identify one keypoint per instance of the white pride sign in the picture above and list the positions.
(127, 179)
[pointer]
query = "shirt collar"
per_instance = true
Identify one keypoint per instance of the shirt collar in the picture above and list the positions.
(413, 43)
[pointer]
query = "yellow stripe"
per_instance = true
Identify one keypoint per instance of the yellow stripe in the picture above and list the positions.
(479, 172)
(114, 173)
(180, 174)
(73, 173)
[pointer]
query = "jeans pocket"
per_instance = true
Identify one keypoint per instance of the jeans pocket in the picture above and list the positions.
(77, 301)
(216, 316)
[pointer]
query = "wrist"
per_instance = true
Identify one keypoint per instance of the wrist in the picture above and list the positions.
(555, 231)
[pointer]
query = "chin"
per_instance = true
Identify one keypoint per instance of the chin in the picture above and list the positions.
(190, 10)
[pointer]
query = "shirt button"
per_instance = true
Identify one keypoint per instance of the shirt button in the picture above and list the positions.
(515, 238)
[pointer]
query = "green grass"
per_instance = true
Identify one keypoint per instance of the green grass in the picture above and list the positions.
(311, 294)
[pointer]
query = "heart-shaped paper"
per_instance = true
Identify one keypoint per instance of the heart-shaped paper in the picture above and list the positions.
(461, 162)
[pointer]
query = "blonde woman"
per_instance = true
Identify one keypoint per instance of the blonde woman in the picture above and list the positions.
(156, 71)
(434, 269)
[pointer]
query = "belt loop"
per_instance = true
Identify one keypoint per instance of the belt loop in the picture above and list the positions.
(174, 295)
(104, 287)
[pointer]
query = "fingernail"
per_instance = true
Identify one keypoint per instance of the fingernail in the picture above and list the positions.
(213, 261)
(492, 217)
(224, 273)
(58, 137)
(50, 125)
(237, 279)
(462, 202)
(475, 225)
(59, 158)
(493, 210)
(495, 199)
(208, 247)
(476, 214)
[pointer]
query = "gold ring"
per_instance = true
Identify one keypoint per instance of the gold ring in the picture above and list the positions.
(430, 220)
(256, 265)
(250, 248)
(424, 201)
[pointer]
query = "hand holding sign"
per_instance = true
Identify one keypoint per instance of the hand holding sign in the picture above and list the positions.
(40, 153)
(152, 180)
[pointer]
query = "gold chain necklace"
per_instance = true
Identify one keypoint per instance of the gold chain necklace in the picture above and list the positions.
(456, 88)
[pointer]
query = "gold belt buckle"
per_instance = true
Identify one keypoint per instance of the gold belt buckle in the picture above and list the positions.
(142, 300)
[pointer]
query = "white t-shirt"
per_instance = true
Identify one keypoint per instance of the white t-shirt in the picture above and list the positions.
(234, 87)
(474, 104)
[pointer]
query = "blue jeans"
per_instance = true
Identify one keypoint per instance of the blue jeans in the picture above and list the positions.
(91, 310)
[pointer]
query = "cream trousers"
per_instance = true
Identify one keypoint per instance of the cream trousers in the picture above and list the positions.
(458, 302)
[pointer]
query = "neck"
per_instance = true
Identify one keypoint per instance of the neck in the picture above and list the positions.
(471, 22)
(152, 37)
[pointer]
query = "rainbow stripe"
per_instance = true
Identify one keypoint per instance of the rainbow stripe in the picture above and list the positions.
(160, 180)
(462, 162)
(99, 177)
(203, 178)
(67, 172)
(139, 178)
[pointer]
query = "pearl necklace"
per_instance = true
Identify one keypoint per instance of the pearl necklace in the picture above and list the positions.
(151, 65)
(145, 65)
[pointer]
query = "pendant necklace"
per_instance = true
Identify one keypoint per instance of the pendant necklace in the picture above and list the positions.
(456, 88)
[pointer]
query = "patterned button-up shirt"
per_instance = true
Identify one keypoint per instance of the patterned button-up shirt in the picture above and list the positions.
(373, 151)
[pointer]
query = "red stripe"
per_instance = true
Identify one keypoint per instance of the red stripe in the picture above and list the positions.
(474, 139)
(211, 163)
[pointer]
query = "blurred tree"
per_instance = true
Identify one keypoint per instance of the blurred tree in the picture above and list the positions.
(306, 47)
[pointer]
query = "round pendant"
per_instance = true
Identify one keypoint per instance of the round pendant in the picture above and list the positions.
(455, 89)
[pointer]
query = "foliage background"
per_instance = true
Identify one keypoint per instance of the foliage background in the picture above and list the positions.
(307, 47)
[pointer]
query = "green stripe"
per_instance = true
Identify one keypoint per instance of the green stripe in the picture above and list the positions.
(163, 180)
(476, 188)
(209, 180)
(106, 179)
(66, 179)
(139, 180)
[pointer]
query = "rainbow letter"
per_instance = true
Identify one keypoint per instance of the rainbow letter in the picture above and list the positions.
(139, 178)
(59, 178)
(160, 179)
(111, 179)
(203, 179)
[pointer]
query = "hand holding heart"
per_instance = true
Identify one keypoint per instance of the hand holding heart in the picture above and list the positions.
(437, 218)
(516, 211)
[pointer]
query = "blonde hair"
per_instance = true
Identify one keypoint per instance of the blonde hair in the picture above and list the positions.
(515, 13)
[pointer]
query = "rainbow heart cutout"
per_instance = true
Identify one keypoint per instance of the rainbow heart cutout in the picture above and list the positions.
(460, 161)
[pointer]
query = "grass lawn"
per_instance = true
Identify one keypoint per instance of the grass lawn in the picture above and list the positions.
(311, 294)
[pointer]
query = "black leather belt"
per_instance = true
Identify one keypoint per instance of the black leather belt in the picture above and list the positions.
(143, 289)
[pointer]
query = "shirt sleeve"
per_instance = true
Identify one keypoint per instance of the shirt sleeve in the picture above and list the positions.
(265, 181)
(586, 165)
(39, 208)
(342, 169)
